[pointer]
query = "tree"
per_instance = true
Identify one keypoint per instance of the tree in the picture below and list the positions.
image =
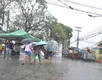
(3, 6)
(61, 33)
(58, 32)
(68, 32)
(49, 21)
(31, 16)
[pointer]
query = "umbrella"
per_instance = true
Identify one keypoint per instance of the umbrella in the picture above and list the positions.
(41, 43)
(52, 45)
(27, 40)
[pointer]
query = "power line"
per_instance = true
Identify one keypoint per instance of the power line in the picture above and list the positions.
(57, 5)
(72, 2)
(89, 42)
(72, 8)
(95, 33)
(82, 4)
(69, 7)
(78, 9)
(85, 37)
(90, 36)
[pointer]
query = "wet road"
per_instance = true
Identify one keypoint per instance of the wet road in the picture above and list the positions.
(59, 69)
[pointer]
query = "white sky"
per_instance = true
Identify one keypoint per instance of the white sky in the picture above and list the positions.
(73, 18)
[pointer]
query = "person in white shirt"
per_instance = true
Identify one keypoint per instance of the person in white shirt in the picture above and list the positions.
(28, 52)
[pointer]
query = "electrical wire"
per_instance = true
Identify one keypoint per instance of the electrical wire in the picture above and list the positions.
(95, 33)
(90, 36)
(62, 6)
(82, 4)
(92, 33)
(79, 9)
(89, 42)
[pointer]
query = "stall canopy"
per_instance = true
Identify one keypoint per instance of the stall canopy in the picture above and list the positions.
(18, 35)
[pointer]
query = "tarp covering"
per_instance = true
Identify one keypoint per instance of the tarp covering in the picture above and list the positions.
(18, 35)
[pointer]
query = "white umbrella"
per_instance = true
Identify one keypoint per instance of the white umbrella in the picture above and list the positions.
(52, 45)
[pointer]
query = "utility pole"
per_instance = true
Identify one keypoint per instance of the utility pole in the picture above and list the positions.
(78, 30)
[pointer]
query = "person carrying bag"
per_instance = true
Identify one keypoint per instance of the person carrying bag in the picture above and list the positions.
(36, 54)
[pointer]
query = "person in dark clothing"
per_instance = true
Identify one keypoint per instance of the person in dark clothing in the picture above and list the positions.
(16, 48)
(9, 48)
(5, 42)
(49, 52)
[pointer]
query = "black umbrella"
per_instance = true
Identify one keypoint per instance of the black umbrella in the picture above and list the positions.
(28, 40)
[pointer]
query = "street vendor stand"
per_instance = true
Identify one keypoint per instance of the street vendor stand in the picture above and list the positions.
(18, 35)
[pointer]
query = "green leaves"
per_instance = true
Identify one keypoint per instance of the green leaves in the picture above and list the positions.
(32, 14)
(61, 32)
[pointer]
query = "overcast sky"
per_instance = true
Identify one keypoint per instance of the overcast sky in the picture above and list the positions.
(73, 18)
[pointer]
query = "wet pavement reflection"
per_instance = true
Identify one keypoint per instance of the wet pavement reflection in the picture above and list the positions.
(59, 69)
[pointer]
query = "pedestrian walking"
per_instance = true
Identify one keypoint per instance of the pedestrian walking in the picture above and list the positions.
(50, 53)
(9, 48)
(28, 53)
(17, 48)
(4, 50)
(36, 52)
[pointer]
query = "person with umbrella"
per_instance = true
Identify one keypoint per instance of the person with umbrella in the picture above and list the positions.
(37, 54)
(37, 50)
(51, 47)
(28, 52)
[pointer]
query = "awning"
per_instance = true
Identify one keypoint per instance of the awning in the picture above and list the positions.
(18, 35)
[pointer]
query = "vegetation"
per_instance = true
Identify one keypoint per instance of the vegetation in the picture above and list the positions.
(33, 17)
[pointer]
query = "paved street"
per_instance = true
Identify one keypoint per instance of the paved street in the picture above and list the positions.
(59, 69)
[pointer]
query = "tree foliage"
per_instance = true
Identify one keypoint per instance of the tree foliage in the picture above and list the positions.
(3, 6)
(31, 16)
(61, 32)
(67, 30)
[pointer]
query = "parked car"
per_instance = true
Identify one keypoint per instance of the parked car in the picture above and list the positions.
(74, 53)
(89, 55)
